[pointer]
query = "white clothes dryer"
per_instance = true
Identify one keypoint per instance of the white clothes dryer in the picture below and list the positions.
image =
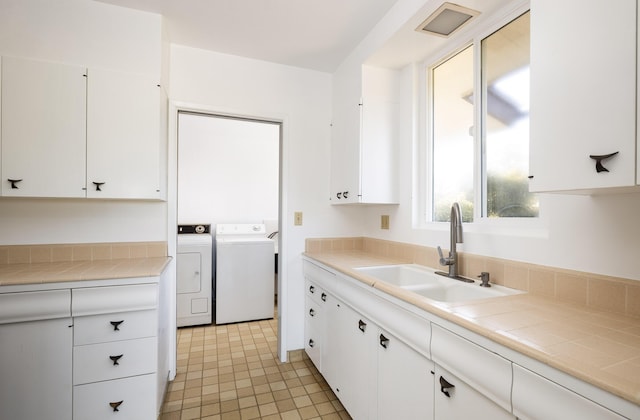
(244, 273)
(194, 275)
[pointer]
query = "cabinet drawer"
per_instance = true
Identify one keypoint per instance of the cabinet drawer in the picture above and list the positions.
(483, 370)
(319, 276)
(136, 397)
(535, 397)
(114, 327)
(106, 300)
(34, 306)
(99, 362)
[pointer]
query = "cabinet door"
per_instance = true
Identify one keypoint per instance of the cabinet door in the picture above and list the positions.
(455, 400)
(405, 381)
(378, 179)
(43, 129)
(36, 369)
(345, 153)
(313, 332)
(583, 94)
(123, 135)
(349, 364)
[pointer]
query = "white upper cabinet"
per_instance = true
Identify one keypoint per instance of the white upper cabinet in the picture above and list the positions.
(583, 95)
(364, 138)
(43, 129)
(123, 135)
(72, 132)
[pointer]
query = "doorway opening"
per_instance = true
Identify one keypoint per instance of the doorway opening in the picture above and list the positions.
(228, 172)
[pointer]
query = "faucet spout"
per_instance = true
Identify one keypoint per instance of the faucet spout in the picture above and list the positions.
(455, 230)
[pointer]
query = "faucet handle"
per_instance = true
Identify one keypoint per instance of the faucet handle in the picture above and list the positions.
(443, 260)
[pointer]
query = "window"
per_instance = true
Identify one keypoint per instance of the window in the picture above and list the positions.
(480, 148)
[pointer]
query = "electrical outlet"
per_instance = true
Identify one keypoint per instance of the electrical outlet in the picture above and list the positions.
(297, 218)
(384, 221)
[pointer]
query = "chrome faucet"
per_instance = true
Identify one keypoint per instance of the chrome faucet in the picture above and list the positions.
(455, 227)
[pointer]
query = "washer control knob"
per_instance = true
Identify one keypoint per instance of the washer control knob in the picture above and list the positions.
(199, 229)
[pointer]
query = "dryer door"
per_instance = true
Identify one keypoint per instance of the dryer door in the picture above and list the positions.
(189, 272)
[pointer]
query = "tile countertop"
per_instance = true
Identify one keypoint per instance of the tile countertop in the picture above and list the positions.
(30, 274)
(597, 347)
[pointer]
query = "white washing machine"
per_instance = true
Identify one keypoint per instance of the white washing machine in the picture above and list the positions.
(244, 273)
(194, 281)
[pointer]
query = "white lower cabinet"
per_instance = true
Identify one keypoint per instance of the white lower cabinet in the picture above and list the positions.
(535, 397)
(35, 345)
(80, 353)
(386, 360)
(372, 372)
(349, 361)
(375, 374)
(405, 381)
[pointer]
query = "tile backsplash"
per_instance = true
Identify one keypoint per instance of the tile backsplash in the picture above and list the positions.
(25, 254)
(596, 291)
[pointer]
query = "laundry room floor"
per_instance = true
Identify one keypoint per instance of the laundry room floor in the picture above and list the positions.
(232, 372)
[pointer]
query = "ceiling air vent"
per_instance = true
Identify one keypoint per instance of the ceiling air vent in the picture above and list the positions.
(447, 19)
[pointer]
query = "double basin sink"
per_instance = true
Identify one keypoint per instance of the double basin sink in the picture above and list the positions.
(425, 282)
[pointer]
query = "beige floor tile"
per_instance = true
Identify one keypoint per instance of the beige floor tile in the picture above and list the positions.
(233, 372)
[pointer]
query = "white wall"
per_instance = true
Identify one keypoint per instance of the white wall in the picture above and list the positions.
(91, 34)
(228, 170)
(301, 99)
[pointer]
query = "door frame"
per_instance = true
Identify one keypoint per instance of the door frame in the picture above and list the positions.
(172, 212)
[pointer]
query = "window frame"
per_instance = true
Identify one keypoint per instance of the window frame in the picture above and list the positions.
(423, 207)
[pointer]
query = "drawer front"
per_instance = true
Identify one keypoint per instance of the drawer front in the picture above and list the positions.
(114, 327)
(133, 398)
(321, 277)
(535, 397)
(32, 306)
(112, 299)
(119, 359)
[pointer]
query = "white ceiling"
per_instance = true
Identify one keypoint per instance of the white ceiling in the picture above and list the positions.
(313, 34)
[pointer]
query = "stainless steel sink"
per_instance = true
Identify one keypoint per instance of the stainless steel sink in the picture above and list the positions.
(423, 281)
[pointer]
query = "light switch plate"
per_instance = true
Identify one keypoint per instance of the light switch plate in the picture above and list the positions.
(384, 221)
(297, 218)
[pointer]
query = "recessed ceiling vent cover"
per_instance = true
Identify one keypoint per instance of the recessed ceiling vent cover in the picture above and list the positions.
(447, 19)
